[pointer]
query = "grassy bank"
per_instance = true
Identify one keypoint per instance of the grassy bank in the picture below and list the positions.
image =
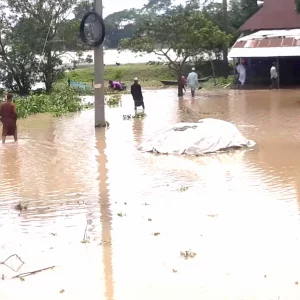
(150, 75)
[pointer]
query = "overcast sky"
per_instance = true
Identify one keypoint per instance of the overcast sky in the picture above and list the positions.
(111, 6)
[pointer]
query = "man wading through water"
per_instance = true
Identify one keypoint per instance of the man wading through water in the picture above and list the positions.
(136, 92)
(192, 81)
(9, 119)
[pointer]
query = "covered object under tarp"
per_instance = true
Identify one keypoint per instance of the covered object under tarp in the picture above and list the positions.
(206, 136)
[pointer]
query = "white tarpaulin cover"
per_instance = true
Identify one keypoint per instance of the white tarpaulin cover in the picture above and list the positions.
(206, 136)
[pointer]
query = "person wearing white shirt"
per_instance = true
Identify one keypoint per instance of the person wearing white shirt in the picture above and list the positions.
(192, 81)
(242, 73)
(274, 77)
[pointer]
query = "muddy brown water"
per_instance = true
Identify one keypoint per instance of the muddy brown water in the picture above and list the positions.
(240, 213)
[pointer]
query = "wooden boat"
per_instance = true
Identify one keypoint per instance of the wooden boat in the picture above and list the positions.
(174, 82)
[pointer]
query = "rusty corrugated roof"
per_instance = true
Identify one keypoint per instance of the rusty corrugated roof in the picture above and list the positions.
(275, 14)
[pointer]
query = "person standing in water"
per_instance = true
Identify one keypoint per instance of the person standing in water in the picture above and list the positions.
(274, 77)
(192, 81)
(137, 95)
(8, 116)
(182, 83)
(240, 68)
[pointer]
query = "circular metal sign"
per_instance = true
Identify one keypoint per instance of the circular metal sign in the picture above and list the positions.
(92, 29)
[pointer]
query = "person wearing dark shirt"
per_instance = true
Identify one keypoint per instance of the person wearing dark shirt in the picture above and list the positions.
(136, 92)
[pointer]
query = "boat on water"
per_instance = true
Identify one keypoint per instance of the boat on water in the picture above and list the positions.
(175, 82)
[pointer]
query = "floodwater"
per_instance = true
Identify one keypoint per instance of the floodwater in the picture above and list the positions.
(238, 212)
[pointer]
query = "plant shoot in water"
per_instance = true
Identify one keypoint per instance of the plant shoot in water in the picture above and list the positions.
(183, 189)
(187, 254)
(113, 100)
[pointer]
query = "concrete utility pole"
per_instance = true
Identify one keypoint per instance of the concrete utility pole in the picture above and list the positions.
(99, 77)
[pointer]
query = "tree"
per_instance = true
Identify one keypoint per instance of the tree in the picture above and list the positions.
(18, 64)
(217, 13)
(183, 30)
(156, 6)
(297, 5)
(240, 11)
(44, 22)
(81, 8)
(120, 25)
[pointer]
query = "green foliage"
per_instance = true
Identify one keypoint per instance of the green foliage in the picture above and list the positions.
(297, 5)
(185, 30)
(129, 72)
(82, 8)
(122, 24)
(33, 36)
(59, 102)
(240, 12)
(18, 64)
(118, 75)
(113, 100)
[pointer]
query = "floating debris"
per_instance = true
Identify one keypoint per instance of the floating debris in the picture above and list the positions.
(121, 215)
(156, 233)
(136, 116)
(174, 270)
(211, 113)
(187, 254)
(183, 189)
(87, 241)
(113, 100)
(212, 216)
(139, 116)
(62, 291)
(105, 243)
(149, 219)
(20, 207)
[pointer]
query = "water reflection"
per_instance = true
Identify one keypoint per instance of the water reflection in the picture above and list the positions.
(106, 218)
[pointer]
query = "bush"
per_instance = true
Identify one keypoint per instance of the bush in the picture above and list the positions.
(58, 103)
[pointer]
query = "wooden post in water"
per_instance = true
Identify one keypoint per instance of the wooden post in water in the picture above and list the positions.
(99, 77)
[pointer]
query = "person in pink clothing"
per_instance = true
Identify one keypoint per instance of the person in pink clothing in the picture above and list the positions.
(115, 85)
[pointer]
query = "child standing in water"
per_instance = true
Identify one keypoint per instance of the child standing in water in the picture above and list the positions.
(9, 119)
